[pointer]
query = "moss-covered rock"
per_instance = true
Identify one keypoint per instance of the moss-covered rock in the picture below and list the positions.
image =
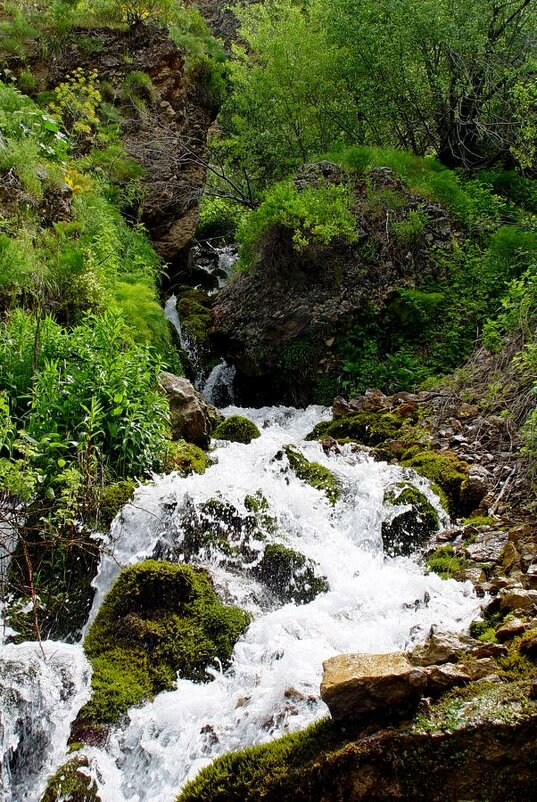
(492, 760)
(194, 308)
(413, 525)
(289, 574)
(368, 428)
(446, 471)
(112, 498)
(186, 458)
(445, 562)
(157, 620)
(313, 473)
(72, 783)
(238, 429)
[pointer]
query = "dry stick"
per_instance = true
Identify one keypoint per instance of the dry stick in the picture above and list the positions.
(503, 489)
(33, 595)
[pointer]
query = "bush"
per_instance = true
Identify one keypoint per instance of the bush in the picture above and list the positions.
(314, 215)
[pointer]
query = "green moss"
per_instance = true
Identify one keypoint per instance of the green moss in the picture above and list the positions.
(290, 575)
(448, 472)
(411, 527)
(313, 473)
(369, 428)
(256, 503)
(444, 562)
(112, 498)
(478, 520)
(194, 310)
(269, 771)
(158, 619)
(72, 784)
(238, 429)
(186, 458)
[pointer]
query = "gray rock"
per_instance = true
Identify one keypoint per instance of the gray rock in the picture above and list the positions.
(487, 547)
(189, 412)
(442, 647)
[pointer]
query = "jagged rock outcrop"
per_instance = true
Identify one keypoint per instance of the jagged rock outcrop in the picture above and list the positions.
(169, 140)
(281, 324)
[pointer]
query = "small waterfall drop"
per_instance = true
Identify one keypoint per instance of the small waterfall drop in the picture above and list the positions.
(218, 389)
(187, 344)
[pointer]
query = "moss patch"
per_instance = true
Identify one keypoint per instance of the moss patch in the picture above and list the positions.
(445, 562)
(113, 497)
(194, 311)
(158, 619)
(448, 472)
(313, 473)
(186, 458)
(238, 429)
(368, 428)
(410, 528)
(71, 783)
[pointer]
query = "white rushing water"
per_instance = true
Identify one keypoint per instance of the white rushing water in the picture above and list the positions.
(272, 686)
(42, 688)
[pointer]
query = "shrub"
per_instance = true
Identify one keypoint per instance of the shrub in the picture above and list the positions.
(313, 215)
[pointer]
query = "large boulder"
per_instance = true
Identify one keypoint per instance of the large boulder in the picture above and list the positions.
(190, 415)
(366, 685)
(356, 685)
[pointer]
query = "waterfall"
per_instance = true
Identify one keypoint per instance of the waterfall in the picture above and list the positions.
(42, 688)
(272, 687)
(187, 343)
(218, 389)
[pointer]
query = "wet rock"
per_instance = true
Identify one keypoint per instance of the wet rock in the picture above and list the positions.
(443, 677)
(189, 413)
(289, 574)
(509, 629)
(355, 685)
(412, 522)
(442, 647)
(487, 547)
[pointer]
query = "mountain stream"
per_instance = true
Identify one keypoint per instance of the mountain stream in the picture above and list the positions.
(373, 604)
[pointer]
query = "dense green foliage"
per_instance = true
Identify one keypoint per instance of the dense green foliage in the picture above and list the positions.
(452, 77)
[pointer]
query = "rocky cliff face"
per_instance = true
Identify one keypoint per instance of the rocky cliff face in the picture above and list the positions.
(169, 140)
(282, 323)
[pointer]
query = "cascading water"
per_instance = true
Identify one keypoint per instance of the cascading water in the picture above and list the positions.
(272, 686)
(187, 344)
(217, 386)
(42, 687)
(218, 389)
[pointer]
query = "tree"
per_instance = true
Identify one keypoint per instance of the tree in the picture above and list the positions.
(442, 75)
